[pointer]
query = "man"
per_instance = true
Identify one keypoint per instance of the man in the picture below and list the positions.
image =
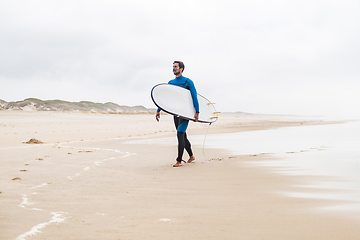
(180, 123)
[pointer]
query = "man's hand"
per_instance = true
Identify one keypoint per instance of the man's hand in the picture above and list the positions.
(196, 117)
(157, 116)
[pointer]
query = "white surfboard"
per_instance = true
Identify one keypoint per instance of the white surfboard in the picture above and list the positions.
(177, 101)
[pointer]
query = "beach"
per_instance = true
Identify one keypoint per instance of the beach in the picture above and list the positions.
(110, 176)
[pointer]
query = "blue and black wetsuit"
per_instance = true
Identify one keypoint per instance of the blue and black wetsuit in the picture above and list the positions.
(181, 124)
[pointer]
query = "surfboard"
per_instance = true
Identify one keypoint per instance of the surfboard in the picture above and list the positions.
(178, 101)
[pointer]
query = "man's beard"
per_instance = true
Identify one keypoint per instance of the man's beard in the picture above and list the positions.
(176, 73)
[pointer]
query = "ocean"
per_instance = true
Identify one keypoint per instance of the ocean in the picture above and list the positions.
(330, 152)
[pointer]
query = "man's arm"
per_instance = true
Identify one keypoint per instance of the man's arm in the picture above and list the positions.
(195, 100)
(196, 116)
(157, 116)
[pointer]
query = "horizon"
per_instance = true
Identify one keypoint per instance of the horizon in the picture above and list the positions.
(154, 108)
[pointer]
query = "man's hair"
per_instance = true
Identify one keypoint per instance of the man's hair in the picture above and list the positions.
(181, 65)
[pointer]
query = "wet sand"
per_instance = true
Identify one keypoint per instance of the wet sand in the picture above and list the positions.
(85, 182)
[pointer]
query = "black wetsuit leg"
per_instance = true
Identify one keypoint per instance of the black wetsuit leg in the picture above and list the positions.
(183, 141)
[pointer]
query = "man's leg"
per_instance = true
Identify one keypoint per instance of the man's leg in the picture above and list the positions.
(188, 149)
(181, 146)
(181, 126)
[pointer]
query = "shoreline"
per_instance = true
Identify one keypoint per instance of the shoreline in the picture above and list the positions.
(89, 185)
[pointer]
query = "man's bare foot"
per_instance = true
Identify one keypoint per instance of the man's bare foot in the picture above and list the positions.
(177, 164)
(191, 159)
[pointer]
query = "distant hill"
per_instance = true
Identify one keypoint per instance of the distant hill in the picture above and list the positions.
(33, 104)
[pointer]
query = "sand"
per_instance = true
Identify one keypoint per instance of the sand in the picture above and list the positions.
(85, 181)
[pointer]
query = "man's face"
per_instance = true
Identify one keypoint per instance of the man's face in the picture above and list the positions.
(176, 69)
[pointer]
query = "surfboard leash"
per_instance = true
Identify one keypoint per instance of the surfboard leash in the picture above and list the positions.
(205, 140)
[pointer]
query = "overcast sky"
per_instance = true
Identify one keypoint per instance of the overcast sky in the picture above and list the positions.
(278, 57)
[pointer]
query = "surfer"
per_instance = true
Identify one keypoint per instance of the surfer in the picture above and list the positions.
(181, 124)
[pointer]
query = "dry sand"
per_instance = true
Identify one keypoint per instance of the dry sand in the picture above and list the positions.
(84, 182)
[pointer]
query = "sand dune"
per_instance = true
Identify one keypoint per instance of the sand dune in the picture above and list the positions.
(34, 104)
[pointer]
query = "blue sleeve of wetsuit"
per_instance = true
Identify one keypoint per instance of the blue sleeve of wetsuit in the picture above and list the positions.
(194, 96)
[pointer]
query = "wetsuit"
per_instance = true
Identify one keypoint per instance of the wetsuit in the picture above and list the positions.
(181, 124)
